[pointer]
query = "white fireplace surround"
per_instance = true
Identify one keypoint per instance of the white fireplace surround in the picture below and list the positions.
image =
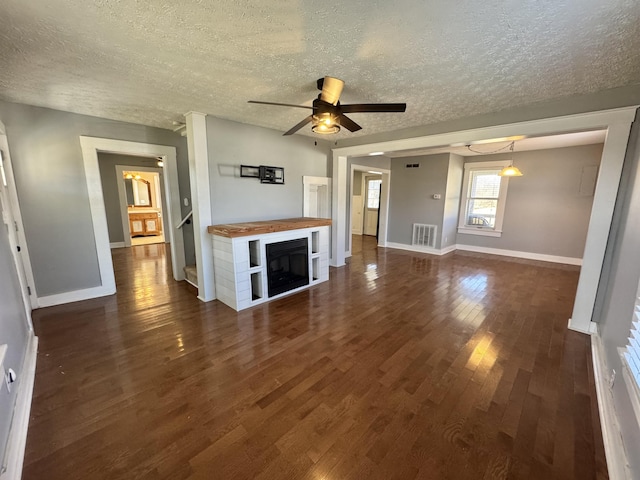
(240, 265)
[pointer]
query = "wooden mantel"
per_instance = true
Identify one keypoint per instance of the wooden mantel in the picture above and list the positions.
(233, 230)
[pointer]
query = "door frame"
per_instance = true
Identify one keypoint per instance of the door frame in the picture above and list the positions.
(307, 181)
(383, 211)
(122, 197)
(91, 146)
(22, 259)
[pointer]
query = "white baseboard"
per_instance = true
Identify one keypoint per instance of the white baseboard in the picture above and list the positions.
(20, 424)
(75, 296)
(492, 251)
(421, 249)
(527, 255)
(117, 245)
(613, 445)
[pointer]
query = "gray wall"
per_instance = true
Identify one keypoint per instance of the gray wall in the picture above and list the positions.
(452, 201)
(411, 197)
(545, 212)
(49, 171)
(13, 331)
(235, 199)
(107, 163)
(617, 289)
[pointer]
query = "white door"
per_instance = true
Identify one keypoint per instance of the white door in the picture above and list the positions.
(373, 186)
(356, 215)
(11, 218)
(316, 197)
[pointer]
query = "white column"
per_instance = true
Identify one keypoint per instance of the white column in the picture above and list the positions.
(201, 202)
(604, 201)
(338, 210)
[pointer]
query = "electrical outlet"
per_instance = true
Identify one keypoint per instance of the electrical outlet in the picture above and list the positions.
(612, 378)
(437, 196)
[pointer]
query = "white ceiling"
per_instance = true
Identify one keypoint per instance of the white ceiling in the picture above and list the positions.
(151, 61)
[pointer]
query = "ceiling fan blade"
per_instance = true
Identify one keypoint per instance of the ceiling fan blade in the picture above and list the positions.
(331, 90)
(298, 126)
(374, 107)
(280, 104)
(349, 124)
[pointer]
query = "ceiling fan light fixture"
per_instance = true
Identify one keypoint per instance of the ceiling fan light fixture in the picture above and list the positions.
(325, 129)
(325, 123)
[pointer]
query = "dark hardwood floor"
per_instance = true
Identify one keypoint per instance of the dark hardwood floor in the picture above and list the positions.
(402, 366)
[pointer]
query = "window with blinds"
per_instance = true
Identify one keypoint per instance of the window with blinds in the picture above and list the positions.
(484, 197)
(631, 360)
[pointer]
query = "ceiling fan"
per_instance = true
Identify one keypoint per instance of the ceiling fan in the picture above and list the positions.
(329, 115)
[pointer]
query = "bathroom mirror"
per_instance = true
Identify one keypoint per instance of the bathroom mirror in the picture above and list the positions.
(138, 192)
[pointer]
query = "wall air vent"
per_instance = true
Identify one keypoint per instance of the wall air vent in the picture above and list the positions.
(412, 165)
(424, 235)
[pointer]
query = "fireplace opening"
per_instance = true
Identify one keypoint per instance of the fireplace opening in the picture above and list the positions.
(288, 265)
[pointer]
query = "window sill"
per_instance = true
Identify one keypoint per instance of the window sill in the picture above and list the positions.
(486, 232)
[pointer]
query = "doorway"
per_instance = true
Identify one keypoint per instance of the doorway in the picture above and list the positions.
(368, 208)
(142, 205)
(91, 146)
(616, 122)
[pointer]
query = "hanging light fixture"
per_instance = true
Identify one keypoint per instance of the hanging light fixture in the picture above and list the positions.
(510, 170)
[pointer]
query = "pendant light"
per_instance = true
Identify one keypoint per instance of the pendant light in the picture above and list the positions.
(510, 170)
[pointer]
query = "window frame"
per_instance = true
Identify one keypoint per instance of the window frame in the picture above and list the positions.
(495, 231)
(368, 181)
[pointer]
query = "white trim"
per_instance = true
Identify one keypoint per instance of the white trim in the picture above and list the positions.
(527, 255)
(491, 251)
(74, 296)
(617, 463)
(17, 440)
(421, 249)
(495, 231)
(616, 121)
(117, 245)
(482, 231)
(201, 202)
(383, 209)
(307, 181)
(90, 148)
(604, 199)
(25, 271)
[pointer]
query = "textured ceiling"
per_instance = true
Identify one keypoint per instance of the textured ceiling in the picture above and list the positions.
(150, 61)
